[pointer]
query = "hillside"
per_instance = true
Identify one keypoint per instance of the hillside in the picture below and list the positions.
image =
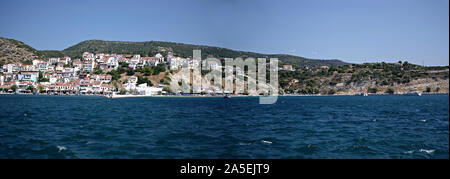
(368, 77)
(16, 51)
(184, 50)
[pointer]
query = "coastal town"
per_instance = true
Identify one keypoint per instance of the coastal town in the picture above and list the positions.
(128, 75)
(96, 74)
(87, 76)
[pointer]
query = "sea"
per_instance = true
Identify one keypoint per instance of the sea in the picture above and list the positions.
(303, 127)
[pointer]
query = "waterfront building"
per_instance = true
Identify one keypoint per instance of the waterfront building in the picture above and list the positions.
(28, 76)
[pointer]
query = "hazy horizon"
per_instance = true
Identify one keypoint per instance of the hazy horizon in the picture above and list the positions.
(352, 31)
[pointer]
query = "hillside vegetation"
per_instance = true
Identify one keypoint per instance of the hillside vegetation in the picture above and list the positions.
(365, 78)
(16, 51)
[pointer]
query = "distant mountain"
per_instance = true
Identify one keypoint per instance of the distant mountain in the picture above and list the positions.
(150, 48)
(13, 50)
(16, 51)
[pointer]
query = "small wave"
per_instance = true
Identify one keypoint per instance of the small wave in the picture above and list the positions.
(423, 120)
(61, 148)
(266, 142)
(243, 143)
(409, 152)
(426, 151)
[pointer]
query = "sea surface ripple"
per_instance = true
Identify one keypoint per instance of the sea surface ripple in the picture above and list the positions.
(295, 127)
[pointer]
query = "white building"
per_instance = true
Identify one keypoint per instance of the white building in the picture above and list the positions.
(176, 62)
(7, 68)
(143, 89)
(88, 55)
(53, 60)
(40, 65)
(88, 66)
(132, 80)
(66, 60)
(288, 67)
(112, 62)
(12, 68)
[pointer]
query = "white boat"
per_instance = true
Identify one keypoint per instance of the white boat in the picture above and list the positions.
(361, 94)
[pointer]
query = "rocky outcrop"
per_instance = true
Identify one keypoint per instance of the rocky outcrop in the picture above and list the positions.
(435, 85)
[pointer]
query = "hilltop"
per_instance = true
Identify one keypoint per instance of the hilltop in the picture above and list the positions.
(16, 51)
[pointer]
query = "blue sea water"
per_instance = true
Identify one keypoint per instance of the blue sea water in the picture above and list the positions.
(294, 127)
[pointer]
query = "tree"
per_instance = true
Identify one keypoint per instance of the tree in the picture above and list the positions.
(122, 91)
(121, 70)
(372, 90)
(159, 68)
(99, 71)
(41, 89)
(130, 72)
(28, 62)
(147, 71)
(41, 78)
(123, 64)
(138, 69)
(428, 89)
(115, 75)
(390, 91)
(14, 88)
(331, 91)
(142, 80)
(405, 64)
(30, 88)
(167, 89)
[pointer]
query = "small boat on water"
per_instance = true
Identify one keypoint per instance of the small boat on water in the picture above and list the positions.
(362, 94)
(415, 93)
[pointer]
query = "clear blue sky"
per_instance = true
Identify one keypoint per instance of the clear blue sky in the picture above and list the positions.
(351, 30)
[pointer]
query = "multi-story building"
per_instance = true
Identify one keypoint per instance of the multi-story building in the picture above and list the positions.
(88, 66)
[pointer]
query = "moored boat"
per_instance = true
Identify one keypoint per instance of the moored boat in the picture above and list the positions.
(415, 93)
